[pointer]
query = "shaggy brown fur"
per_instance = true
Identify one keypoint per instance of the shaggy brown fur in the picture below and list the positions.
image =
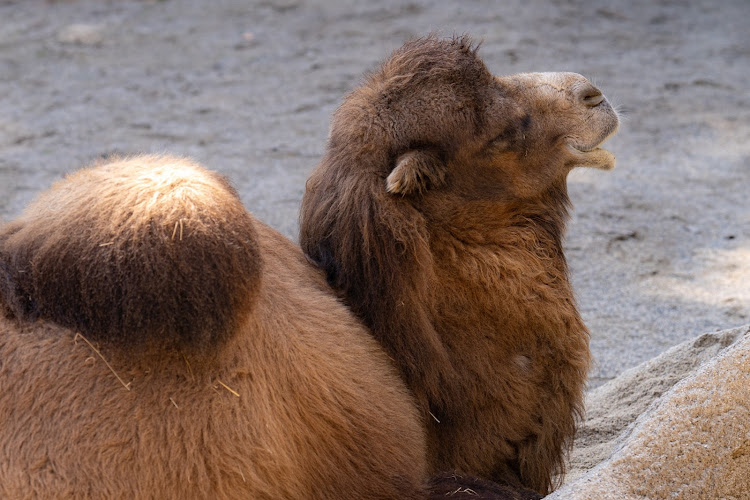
(438, 212)
(288, 398)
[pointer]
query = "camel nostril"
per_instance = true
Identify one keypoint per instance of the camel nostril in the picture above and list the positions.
(591, 96)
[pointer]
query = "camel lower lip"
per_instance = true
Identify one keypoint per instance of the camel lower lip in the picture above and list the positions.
(594, 157)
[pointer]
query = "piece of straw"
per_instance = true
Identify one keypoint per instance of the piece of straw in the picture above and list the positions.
(126, 386)
(174, 231)
(225, 386)
(190, 369)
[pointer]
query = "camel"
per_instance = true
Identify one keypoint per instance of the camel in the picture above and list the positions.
(157, 341)
(438, 213)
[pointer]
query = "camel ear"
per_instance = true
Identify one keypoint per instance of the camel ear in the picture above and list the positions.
(415, 172)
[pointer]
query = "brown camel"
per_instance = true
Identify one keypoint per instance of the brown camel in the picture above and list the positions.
(438, 213)
(159, 342)
(156, 341)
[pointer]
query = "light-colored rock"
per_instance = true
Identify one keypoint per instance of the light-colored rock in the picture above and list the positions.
(612, 407)
(692, 442)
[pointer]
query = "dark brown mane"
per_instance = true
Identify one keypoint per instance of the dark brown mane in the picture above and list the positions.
(383, 243)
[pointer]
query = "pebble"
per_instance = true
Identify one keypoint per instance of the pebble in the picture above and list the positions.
(81, 34)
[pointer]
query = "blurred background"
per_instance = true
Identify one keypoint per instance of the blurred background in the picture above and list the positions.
(659, 248)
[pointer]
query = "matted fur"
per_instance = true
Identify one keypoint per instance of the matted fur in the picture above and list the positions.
(438, 213)
(291, 399)
(134, 251)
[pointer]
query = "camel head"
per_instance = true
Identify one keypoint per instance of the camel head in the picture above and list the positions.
(544, 124)
(443, 118)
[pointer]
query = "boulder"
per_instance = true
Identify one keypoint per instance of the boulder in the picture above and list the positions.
(677, 426)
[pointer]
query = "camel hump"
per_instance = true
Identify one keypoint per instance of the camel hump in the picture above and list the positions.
(134, 251)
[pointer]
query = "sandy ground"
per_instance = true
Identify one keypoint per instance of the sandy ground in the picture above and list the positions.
(659, 248)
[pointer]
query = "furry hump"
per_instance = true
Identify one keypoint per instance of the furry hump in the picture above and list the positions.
(134, 251)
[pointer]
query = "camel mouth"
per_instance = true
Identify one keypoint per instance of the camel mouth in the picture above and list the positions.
(592, 155)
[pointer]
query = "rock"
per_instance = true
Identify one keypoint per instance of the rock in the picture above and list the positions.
(692, 442)
(81, 34)
(615, 405)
